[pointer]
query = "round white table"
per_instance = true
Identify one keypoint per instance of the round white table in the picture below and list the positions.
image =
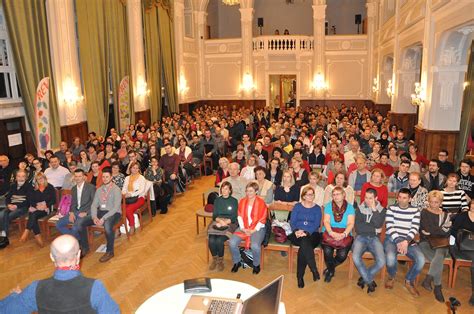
(173, 299)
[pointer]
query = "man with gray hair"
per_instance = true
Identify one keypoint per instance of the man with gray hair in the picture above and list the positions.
(238, 183)
(66, 292)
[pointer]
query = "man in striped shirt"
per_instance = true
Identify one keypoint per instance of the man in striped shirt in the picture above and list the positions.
(402, 225)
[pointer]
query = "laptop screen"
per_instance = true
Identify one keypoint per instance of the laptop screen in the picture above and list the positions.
(266, 301)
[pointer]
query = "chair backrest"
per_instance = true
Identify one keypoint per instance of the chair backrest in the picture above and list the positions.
(392, 198)
(280, 211)
(58, 199)
(206, 194)
(149, 192)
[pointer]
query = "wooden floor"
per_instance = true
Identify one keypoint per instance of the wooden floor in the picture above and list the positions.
(168, 251)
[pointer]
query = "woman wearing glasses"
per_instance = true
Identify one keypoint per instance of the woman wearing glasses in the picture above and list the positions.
(305, 221)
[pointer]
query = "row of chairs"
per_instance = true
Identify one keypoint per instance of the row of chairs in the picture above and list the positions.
(281, 213)
(48, 223)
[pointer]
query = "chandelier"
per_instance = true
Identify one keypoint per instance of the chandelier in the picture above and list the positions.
(231, 2)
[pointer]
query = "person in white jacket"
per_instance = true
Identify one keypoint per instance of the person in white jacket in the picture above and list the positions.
(248, 172)
(134, 190)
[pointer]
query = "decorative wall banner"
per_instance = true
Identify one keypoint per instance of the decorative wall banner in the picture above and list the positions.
(124, 103)
(43, 133)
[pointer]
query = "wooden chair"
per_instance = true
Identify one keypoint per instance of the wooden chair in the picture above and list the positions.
(242, 244)
(43, 222)
(318, 252)
(207, 160)
(101, 229)
(20, 222)
(366, 255)
(280, 211)
(51, 222)
(201, 212)
(459, 263)
(146, 207)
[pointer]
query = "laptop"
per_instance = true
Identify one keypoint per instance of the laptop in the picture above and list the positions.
(265, 301)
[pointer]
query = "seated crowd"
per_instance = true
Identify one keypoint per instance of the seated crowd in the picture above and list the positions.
(334, 169)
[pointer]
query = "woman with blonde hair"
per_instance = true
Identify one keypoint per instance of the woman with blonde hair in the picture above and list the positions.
(434, 241)
(339, 181)
(223, 171)
(314, 178)
(41, 198)
(134, 189)
(288, 191)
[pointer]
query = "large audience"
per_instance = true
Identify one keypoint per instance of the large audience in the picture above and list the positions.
(350, 179)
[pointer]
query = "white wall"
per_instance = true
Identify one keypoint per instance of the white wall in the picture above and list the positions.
(223, 20)
(296, 17)
(341, 13)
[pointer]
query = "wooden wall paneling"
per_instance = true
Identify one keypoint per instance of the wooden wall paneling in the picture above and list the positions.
(248, 104)
(430, 142)
(69, 132)
(29, 142)
(406, 121)
(143, 115)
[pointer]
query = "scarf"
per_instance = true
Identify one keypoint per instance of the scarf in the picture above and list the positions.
(133, 178)
(259, 208)
(41, 187)
(413, 191)
(338, 212)
(73, 267)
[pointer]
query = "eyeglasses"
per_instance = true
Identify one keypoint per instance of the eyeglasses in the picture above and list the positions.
(309, 194)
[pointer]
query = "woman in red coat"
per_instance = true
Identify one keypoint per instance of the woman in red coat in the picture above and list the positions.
(251, 215)
(377, 183)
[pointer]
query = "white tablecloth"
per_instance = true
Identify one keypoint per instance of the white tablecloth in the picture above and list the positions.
(173, 299)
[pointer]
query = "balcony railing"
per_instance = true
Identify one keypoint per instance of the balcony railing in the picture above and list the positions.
(283, 43)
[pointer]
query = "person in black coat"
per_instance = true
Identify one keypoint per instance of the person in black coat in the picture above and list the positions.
(274, 173)
(40, 199)
(16, 205)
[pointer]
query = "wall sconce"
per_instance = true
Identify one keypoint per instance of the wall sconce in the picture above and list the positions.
(318, 83)
(247, 83)
(389, 89)
(142, 89)
(182, 84)
(375, 85)
(465, 85)
(418, 98)
(70, 92)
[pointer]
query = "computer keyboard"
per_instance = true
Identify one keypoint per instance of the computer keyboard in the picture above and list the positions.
(222, 307)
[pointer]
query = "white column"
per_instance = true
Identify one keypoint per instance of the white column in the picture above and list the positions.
(178, 36)
(445, 82)
(246, 18)
(404, 74)
(200, 18)
(371, 6)
(137, 55)
(426, 62)
(65, 61)
(319, 46)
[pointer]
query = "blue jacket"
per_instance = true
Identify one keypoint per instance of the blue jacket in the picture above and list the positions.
(25, 302)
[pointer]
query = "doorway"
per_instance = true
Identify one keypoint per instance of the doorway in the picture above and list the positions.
(282, 91)
(12, 139)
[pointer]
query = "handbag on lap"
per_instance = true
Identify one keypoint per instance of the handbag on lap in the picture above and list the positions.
(337, 244)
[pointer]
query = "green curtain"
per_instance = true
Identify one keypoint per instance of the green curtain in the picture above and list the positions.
(167, 49)
(118, 50)
(152, 58)
(467, 112)
(94, 64)
(28, 31)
